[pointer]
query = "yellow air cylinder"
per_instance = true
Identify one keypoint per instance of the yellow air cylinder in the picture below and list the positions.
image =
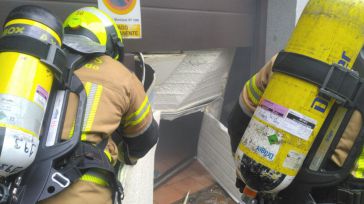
(25, 87)
(290, 112)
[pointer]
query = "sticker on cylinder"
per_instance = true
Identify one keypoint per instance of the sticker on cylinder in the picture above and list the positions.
(262, 139)
(18, 151)
(286, 119)
(19, 112)
(293, 160)
(41, 97)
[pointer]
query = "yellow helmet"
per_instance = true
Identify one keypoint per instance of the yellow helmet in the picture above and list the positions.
(90, 30)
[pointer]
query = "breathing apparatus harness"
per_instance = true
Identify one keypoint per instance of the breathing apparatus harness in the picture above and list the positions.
(51, 55)
(57, 166)
(69, 160)
(88, 156)
(347, 88)
(57, 163)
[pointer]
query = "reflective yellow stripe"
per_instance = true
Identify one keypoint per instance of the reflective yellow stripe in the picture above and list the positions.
(255, 87)
(107, 153)
(137, 121)
(72, 130)
(136, 113)
(359, 170)
(358, 174)
(253, 99)
(37, 24)
(93, 179)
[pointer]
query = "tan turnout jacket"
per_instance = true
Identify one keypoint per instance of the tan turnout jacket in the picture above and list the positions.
(114, 96)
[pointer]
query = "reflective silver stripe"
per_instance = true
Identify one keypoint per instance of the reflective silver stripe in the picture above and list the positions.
(139, 117)
(138, 133)
(105, 20)
(90, 100)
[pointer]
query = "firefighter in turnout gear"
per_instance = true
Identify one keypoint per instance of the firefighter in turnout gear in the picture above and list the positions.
(248, 101)
(116, 101)
(297, 131)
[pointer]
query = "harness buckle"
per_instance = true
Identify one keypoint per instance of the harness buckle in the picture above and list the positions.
(341, 84)
(350, 196)
(61, 180)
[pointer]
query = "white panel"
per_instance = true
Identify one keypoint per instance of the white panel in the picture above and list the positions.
(214, 153)
(138, 180)
(194, 79)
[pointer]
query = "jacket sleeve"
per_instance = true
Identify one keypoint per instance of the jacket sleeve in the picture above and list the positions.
(248, 100)
(139, 129)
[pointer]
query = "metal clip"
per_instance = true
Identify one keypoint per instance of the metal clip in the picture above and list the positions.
(331, 93)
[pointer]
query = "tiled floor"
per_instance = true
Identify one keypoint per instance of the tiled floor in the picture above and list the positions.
(192, 179)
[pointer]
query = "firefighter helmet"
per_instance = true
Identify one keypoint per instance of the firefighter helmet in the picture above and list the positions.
(90, 30)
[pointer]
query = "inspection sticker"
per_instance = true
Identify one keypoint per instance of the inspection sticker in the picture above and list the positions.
(286, 119)
(126, 14)
(293, 160)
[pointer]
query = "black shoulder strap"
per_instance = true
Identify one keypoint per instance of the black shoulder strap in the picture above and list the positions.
(87, 156)
(334, 81)
(50, 54)
(76, 60)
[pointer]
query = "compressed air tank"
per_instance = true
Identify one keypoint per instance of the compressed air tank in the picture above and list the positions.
(25, 86)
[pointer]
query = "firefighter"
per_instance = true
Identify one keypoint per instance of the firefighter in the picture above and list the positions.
(115, 100)
(244, 109)
(297, 129)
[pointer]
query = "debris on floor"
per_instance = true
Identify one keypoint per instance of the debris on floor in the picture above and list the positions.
(210, 195)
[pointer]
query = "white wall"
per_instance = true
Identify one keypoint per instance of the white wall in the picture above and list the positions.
(282, 17)
(300, 6)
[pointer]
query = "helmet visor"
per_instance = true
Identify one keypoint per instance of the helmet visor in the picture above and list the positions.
(83, 44)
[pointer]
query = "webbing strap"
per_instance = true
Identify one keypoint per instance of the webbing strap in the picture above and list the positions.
(50, 54)
(350, 196)
(334, 81)
(90, 163)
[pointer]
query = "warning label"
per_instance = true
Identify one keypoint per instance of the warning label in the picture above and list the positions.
(286, 119)
(130, 31)
(127, 16)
